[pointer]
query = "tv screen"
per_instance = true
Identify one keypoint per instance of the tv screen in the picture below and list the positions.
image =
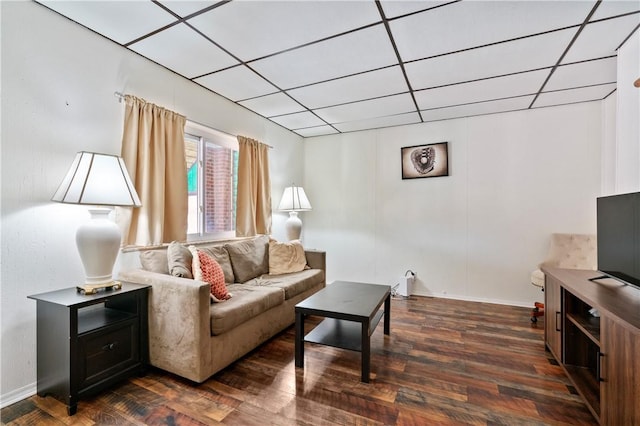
(618, 218)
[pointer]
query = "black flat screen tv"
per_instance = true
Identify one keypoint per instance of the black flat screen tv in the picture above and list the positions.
(618, 232)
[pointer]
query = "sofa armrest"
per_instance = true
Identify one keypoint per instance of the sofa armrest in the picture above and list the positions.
(316, 259)
(179, 321)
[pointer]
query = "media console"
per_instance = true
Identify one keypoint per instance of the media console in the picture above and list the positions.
(593, 330)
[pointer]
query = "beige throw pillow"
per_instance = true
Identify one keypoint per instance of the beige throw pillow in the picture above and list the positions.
(155, 261)
(285, 258)
(179, 260)
(249, 258)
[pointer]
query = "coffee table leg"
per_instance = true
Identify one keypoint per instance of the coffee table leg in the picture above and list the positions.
(387, 315)
(299, 339)
(366, 352)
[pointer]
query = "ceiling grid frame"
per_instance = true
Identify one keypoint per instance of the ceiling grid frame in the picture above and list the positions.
(352, 85)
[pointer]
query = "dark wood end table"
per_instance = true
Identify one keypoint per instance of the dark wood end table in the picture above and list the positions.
(88, 342)
(351, 311)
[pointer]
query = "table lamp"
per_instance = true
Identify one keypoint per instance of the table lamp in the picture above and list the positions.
(102, 181)
(293, 201)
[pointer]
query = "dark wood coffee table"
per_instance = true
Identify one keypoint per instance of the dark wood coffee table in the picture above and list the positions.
(351, 311)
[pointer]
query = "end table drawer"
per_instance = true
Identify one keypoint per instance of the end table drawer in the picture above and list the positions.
(106, 351)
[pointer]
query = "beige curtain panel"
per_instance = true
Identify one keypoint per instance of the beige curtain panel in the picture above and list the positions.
(253, 213)
(153, 150)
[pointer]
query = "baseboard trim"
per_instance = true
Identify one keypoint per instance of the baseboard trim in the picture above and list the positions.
(476, 299)
(16, 395)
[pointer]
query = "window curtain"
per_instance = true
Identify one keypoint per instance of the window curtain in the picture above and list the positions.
(253, 214)
(153, 151)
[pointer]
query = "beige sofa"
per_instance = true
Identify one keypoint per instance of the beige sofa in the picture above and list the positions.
(194, 338)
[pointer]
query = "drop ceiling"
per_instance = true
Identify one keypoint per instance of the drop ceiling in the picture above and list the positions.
(321, 67)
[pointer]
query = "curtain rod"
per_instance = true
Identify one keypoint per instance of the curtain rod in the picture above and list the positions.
(120, 97)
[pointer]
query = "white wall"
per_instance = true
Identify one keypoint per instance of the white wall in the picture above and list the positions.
(627, 151)
(58, 84)
(609, 160)
(477, 234)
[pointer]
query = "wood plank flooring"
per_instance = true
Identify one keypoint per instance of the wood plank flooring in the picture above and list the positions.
(446, 362)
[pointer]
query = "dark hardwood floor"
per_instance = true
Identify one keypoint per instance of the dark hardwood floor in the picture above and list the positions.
(446, 362)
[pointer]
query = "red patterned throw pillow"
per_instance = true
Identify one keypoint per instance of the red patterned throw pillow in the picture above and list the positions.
(205, 268)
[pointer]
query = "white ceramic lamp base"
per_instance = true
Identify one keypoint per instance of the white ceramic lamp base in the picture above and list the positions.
(293, 226)
(98, 243)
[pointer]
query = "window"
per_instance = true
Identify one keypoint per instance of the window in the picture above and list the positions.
(212, 176)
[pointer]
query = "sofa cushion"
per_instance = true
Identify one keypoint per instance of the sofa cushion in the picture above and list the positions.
(205, 268)
(179, 259)
(293, 283)
(249, 258)
(155, 261)
(247, 302)
(221, 255)
(286, 257)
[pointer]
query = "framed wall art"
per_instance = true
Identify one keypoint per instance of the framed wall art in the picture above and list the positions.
(424, 161)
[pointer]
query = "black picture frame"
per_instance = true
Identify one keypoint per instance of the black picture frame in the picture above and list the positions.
(425, 161)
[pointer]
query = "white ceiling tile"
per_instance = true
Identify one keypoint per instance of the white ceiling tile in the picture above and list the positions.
(582, 94)
(482, 90)
(387, 81)
(348, 54)
(600, 39)
(120, 21)
(237, 83)
(298, 120)
(186, 7)
(376, 123)
(272, 105)
(316, 131)
(183, 50)
(583, 74)
(335, 57)
(608, 8)
(367, 109)
(504, 58)
(480, 108)
(393, 8)
(253, 29)
(473, 23)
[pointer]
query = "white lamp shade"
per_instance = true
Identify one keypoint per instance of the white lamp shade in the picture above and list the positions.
(99, 180)
(294, 199)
